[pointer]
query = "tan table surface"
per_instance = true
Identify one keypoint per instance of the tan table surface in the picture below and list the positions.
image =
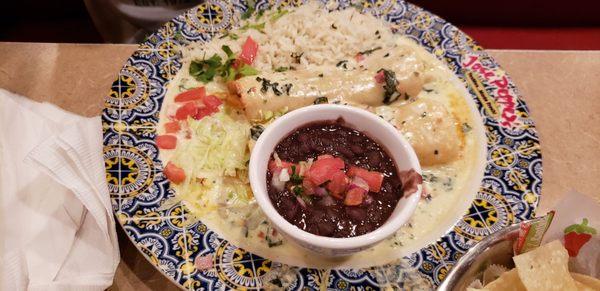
(561, 88)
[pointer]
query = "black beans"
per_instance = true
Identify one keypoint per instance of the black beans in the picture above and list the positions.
(357, 149)
(357, 214)
(326, 215)
(346, 152)
(374, 158)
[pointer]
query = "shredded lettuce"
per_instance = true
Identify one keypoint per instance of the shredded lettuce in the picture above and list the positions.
(215, 162)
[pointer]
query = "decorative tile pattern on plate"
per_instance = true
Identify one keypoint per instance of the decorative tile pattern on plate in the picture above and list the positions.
(162, 242)
(196, 258)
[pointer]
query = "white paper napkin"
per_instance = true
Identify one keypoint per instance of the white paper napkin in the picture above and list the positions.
(58, 232)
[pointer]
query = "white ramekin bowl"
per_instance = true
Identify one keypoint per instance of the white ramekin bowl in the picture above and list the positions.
(370, 124)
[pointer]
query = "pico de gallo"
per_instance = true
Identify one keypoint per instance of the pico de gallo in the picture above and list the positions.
(196, 104)
(331, 180)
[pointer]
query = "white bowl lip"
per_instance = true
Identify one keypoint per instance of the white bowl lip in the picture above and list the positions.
(387, 229)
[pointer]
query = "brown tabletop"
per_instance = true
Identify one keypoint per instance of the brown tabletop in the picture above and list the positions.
(561, 88)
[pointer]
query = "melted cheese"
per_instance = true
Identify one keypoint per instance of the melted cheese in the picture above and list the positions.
(431, 130)
(355, 84)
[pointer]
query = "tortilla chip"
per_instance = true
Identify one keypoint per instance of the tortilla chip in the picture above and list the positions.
(546, 268)
(476, 284)
(582, 287)
(493, 272)
(508, 281)
(590, 282)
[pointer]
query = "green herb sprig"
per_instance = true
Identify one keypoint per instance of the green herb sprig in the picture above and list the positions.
(391, 94)
(295, 178)
(278, 14)
(250, 4)
(205, 70)
(369, 51)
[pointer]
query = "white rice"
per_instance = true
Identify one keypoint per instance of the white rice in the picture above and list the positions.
(321, 37)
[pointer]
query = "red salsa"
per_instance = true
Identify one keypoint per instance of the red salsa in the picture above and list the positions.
(331, 180)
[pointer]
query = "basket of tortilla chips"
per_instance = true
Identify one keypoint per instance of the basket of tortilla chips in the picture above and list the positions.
(559, 251)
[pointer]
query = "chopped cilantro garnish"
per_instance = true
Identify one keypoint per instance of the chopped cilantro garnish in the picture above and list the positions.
(246, 70)
(227, 70)
(230, 35)
(260, 14)
(259, 26)
(466, 127)
(343, 64)
(272, 243)
(250, 4)
(287, 87)
(321, 100)
(297, 57)
(204, 71)
(282, 69)
(256, 131)
(295, 178)
(248, 13)
(391, 94)
(298, 190)
(228, 51)
(369, 51)
(278, 15)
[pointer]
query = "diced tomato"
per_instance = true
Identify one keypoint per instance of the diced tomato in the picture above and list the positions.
(309, 187)
(359, 57)
(188, 109)
(373, 178)
(199, 109)
(338, 196)
(353, 170)
(191, 95)
(249, 51)
(211, 101)
(323, 170)
(380, 77)
(172, 127)
(211, 106)
(204, 111)
(166, 141)
(354, 196)
(284, 165)
(174, 173)
(338, 182)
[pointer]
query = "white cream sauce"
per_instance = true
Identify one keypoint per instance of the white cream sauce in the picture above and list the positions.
(451, 186)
